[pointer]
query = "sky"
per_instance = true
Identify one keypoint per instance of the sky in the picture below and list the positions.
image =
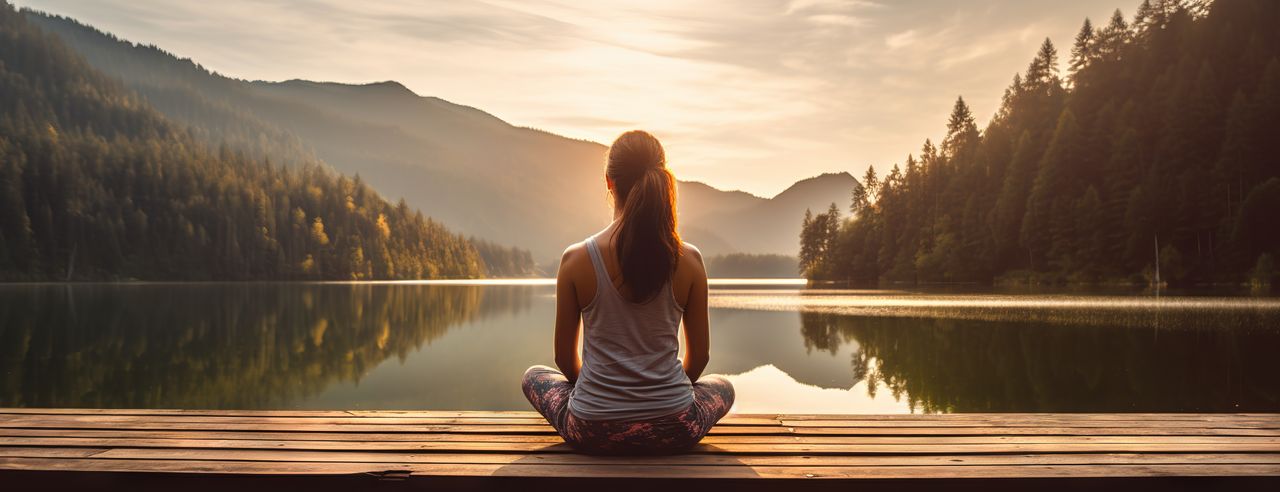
(745, 94)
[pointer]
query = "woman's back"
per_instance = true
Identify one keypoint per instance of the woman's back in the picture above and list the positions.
(624, 294)
(630, 353)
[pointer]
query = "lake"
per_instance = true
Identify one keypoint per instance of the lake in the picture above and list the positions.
(787, 348)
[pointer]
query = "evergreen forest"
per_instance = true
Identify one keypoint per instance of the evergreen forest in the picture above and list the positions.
(1157, 141)
(97, 185)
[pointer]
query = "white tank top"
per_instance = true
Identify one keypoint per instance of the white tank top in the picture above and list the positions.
(631, 366)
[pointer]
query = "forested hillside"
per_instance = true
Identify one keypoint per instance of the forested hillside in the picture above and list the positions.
(1159, 138)
(94, 184)
(470, 169)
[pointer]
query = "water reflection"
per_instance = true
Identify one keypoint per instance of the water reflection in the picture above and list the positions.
(463, 345)
(963, 365)
(216, 345)
(767, 389)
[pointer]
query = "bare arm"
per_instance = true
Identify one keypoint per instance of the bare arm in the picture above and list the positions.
(568, 321)
(697, 336)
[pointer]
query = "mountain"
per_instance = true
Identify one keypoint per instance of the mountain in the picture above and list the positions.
(472, 170)
(95, 184)
(772, 226)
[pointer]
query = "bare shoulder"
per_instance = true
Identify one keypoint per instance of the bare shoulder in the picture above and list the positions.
(693, 252)
(692, 260)
(574, 257)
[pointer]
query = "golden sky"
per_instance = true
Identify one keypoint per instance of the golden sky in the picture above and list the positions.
(747, 94)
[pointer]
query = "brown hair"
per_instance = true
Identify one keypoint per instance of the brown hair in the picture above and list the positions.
(648, 244)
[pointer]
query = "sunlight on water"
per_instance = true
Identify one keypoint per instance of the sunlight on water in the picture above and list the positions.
(767, 389)
(1113, 310)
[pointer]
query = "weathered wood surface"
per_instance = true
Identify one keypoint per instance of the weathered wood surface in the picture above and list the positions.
(415, 447)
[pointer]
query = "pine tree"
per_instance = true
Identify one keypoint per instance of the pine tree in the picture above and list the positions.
(1089, 233)
(962, 132)
(1113, 38)
(809, 247)
(1082, 52)
(871, 184)
(1012, 202)
(1043, 71)
(859, 199)
(1122, 175)
(1052, 183)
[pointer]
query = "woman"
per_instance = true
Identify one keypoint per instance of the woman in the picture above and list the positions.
(631, 285)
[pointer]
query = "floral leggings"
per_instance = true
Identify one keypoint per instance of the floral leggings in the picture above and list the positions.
(548, 390)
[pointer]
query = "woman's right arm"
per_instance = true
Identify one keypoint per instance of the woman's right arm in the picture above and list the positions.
(568, 319)
(697, 325)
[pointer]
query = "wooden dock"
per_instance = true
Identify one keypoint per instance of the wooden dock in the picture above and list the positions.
(218, 449)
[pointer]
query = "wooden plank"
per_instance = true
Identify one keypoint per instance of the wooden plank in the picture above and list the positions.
(354, 428)
(484, 429)
(739, 430)
(524, 447)
(228, 413)
(693, 459)
(492, 429)
(534, 415)
(298, 436)
(736, 419)
(121, 419)
(998, 430)
(71, 420)
(643, 471)
(1033, 422)
(38, 452)
(719, 430)
(715, 439)
(756, 448)
(278, 413)
(18, 420)
(368, 417)
(1149, 417)
(115, 420)
(1245, 421)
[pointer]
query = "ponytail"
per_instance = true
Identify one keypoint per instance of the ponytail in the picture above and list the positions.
(648, 244)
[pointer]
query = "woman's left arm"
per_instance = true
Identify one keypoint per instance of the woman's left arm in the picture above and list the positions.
(697, 329)
(568, 322)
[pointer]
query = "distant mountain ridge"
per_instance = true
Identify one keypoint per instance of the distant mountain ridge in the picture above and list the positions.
(465, 167)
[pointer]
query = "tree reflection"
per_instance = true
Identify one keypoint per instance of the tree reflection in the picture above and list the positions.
(959, 365)
(217, 345)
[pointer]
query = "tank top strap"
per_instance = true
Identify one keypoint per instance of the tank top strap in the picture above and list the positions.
(597, 260)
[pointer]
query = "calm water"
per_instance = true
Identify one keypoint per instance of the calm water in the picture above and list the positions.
(789, 349)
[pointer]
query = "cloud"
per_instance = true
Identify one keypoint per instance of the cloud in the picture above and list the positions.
(900, 40)
(795, 6)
